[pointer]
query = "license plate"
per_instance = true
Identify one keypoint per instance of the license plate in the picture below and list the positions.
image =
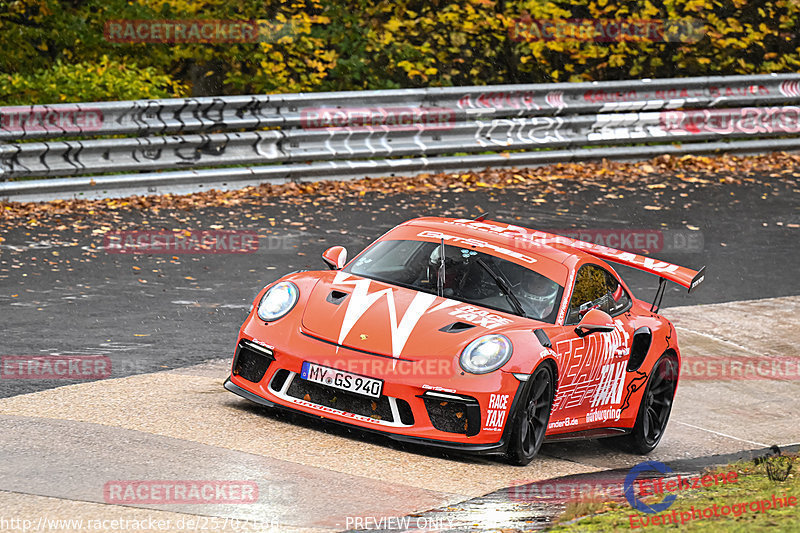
(339, 379)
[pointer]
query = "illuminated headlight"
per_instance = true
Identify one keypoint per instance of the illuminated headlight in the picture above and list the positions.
(486, 354)
(277, 301)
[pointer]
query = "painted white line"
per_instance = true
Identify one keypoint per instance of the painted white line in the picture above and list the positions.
(712, 337)
(724, 435)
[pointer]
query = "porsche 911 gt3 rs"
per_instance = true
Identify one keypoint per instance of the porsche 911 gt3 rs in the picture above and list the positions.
(471, 335)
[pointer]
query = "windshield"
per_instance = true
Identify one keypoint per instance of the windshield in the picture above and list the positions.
(416, 264)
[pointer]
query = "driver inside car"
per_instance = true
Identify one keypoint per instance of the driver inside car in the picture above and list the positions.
(537, 295)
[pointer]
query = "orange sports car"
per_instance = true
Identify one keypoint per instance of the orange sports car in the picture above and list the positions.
(471, 335)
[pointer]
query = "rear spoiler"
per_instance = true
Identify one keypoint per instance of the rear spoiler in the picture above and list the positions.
(683, 276)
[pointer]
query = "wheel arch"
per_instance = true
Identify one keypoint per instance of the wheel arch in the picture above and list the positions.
(520, 403)
(524, 387)
(551, 362)
(673, 353)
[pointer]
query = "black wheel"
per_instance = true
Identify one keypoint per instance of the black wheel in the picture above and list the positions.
(530, 423)
(655, 408)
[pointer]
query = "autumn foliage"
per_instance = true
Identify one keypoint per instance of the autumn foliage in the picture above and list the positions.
(60, 51)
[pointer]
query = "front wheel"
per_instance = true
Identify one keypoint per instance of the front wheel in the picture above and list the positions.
(654, 410)
(530, 424)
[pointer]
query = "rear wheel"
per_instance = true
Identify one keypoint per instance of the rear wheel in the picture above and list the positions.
(654, 410)
(530, 423)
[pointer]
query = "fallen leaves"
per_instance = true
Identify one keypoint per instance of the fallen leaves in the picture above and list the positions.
(659, 173)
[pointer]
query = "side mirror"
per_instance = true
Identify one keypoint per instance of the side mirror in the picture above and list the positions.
(335, 257)
(595, 320)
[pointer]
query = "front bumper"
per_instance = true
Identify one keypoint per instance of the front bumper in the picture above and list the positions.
(412, 405)
(497, 448)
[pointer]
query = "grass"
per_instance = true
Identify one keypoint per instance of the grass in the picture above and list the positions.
(753, 484)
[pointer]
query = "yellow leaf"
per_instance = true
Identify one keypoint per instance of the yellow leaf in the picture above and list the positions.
(392, 26)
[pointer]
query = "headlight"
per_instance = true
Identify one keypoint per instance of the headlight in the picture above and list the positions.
(277, 301)
(486, 354)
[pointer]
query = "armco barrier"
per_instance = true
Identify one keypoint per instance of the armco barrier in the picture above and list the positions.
(179, 142)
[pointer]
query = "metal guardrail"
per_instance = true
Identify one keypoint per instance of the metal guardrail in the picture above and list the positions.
(353, 134)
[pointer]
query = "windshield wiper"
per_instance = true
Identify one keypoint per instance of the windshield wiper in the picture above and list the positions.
(440, 273)
(504, 288)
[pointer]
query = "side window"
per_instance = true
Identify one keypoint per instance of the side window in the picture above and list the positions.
(596, 288)
(618, 300)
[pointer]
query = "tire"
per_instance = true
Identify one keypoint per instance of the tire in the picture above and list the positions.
(654, 409)
(533, 415)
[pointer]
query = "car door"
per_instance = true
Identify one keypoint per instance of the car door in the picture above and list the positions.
(592, 368)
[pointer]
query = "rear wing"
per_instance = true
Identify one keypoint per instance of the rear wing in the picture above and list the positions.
(683, 276)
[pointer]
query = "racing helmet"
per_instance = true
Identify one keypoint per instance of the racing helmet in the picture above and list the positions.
(538, 295)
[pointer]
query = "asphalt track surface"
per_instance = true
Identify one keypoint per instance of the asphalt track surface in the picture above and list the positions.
(169, 323)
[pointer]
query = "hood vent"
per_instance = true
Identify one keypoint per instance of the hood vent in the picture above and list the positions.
(457, 327)
(337, 297)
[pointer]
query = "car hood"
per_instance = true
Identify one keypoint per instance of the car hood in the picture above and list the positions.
(376, 317)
